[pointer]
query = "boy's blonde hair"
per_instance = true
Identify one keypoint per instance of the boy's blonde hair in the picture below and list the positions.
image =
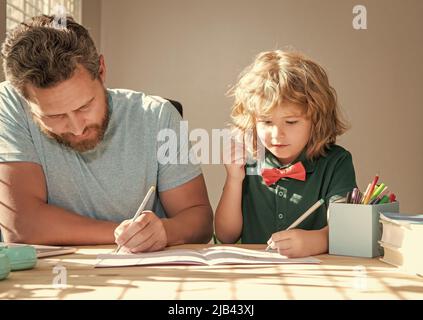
(278, 76)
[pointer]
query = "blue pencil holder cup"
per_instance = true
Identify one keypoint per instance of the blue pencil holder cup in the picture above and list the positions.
(354, 229)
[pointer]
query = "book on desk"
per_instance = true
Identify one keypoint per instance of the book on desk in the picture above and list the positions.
(401, 236)
(216, 255)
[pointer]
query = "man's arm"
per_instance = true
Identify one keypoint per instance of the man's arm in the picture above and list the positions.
(26, 217)
(190, 220)
(190, 216)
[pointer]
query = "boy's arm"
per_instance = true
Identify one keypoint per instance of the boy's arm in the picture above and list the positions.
(321, 243)
(26, 217)
(228, 217)
(297, 243)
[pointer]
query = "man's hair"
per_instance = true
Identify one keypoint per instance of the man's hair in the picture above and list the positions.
(42, 55)
(276, 77)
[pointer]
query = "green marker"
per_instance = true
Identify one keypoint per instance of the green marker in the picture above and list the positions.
(377, 191)
(385, 199)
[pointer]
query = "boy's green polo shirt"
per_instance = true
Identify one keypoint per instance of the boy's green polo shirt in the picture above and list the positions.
(268, 209)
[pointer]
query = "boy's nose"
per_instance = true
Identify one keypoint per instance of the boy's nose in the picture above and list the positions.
(277, 132)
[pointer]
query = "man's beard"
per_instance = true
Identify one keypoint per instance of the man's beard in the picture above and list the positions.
(83, 145)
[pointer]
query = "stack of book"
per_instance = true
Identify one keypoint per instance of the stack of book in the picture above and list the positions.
(402, 237)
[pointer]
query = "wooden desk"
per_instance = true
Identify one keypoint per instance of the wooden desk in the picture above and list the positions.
(335, 278)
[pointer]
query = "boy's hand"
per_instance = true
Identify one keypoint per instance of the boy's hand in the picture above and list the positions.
(234, 160)
(145, 234)
(297, 243)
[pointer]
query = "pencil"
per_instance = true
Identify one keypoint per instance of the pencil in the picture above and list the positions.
(365, 193)
(140, 209)
(312, 209)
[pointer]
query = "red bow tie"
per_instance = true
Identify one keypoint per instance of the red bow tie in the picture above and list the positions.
(296, 171)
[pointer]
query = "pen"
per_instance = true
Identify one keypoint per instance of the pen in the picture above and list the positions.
(349, 197)
(140, 209)
(313, 208)
(359, 197)
(354, 195)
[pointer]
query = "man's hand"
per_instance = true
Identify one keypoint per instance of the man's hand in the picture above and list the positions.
(296, 243)
(147, 233)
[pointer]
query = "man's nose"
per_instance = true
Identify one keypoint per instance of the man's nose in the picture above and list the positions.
(76, 124)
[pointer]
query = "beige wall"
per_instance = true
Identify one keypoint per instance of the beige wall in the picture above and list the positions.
(193, 50)
(91, 18)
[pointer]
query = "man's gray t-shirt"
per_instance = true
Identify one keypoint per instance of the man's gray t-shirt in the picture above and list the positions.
(110, 181)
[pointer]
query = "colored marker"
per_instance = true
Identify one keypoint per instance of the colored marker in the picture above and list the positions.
(385, 199)
(392, 197)
(372, 187)
(380, 196)
(378, 191)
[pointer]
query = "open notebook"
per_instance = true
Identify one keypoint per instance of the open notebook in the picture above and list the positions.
(44, 251)
(216, 255)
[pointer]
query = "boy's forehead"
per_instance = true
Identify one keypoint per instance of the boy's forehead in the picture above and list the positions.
(290, 107)
(286, 110)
